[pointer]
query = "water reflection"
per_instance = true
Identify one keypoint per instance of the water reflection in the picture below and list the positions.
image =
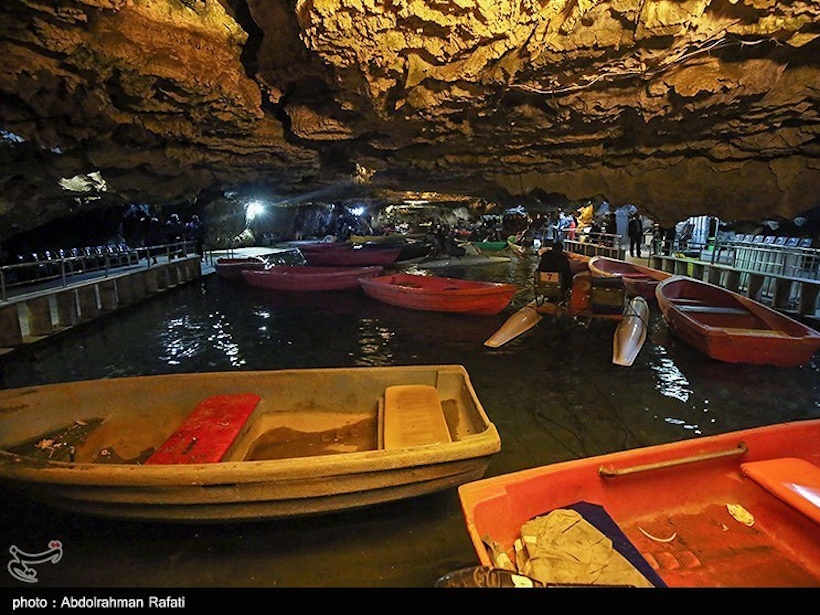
(221, 341)
(374, 344)
(553, 394)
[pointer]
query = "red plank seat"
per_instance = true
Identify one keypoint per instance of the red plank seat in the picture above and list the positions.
(208, 431)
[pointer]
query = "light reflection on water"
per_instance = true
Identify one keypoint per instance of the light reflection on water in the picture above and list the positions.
(553, 394)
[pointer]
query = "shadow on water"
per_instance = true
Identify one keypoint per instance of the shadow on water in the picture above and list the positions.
(553, 394)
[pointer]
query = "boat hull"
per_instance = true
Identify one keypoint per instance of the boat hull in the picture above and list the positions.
(232, 268)
(671, 501)
(729, 327)
(311, 445)
(439, 294)
(630, 334)
(639, 281)
(349, 255)
(296, 278)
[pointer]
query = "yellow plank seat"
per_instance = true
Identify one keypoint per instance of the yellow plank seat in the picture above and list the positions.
(411, 415)
(795, 481)
(208, 431)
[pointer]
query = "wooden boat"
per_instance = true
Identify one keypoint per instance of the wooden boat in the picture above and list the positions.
(730, 327)
(247, 445)
(639, 281)
(231, 268)
(304, 278)
(350, 254)
(439, 294)
(740, 509)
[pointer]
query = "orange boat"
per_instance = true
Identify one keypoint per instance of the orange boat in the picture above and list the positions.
(639, 281)
(299, 278)
(730, 327)
(439, 294)
(740, 509)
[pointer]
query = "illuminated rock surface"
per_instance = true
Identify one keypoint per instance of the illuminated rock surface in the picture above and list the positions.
(682, 107)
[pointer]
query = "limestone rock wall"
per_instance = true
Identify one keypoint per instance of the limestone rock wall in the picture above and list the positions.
(682, 107)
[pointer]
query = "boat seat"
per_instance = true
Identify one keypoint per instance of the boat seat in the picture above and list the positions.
(208, 431)
(795, 481)
(411, 415)
(548, 285)
(606, 295)
(711, 309)
(756, 332)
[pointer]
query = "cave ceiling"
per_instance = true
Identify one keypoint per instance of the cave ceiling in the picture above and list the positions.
(681, 107)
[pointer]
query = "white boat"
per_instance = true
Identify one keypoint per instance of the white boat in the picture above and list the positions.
(630, 334)
(245, 445)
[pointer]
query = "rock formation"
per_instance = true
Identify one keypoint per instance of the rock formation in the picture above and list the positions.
(683, 107)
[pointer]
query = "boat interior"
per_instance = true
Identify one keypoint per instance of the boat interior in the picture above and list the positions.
(698, 534)
(279, 417)
(720, 316)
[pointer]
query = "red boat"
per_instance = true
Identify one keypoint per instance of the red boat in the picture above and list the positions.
(439, 294)
(639, 281)
(730, 327)
(231, 268)
(299, 278)
(740, 509)
(349, 254)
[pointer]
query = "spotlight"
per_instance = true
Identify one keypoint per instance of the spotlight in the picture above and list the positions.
(253, 210)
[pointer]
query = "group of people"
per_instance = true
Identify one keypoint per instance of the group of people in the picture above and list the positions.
(142, 228)
(554, 260)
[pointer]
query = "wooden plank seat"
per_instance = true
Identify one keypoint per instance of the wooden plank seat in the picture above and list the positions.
(411, 415)
(795, 481)
(208, 431)
(711, 309)
(754, 331)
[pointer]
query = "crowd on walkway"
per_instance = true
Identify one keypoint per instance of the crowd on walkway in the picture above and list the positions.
(141, 229)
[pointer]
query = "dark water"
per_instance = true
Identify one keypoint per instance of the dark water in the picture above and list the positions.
(553, 394)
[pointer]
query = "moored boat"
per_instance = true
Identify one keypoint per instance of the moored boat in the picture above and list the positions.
(738, 509)
(639, 280)
(439, 294)
(304, 278)
(231, 268)
(490, 247)
(247, 445)
(730, 327)
(350, 254)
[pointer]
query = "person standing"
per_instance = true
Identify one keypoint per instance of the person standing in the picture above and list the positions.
(611, 230)
(196, 232)
(635, 232)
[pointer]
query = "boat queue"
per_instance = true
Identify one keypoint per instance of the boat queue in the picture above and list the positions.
(221, 447)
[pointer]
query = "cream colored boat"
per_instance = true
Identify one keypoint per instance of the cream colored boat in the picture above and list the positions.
(252, 445)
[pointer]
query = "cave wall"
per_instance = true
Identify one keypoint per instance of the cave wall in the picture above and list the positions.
(682, 107)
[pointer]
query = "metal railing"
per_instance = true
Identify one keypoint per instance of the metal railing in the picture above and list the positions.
(782, 256)
(69, 269)
(597, 244)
